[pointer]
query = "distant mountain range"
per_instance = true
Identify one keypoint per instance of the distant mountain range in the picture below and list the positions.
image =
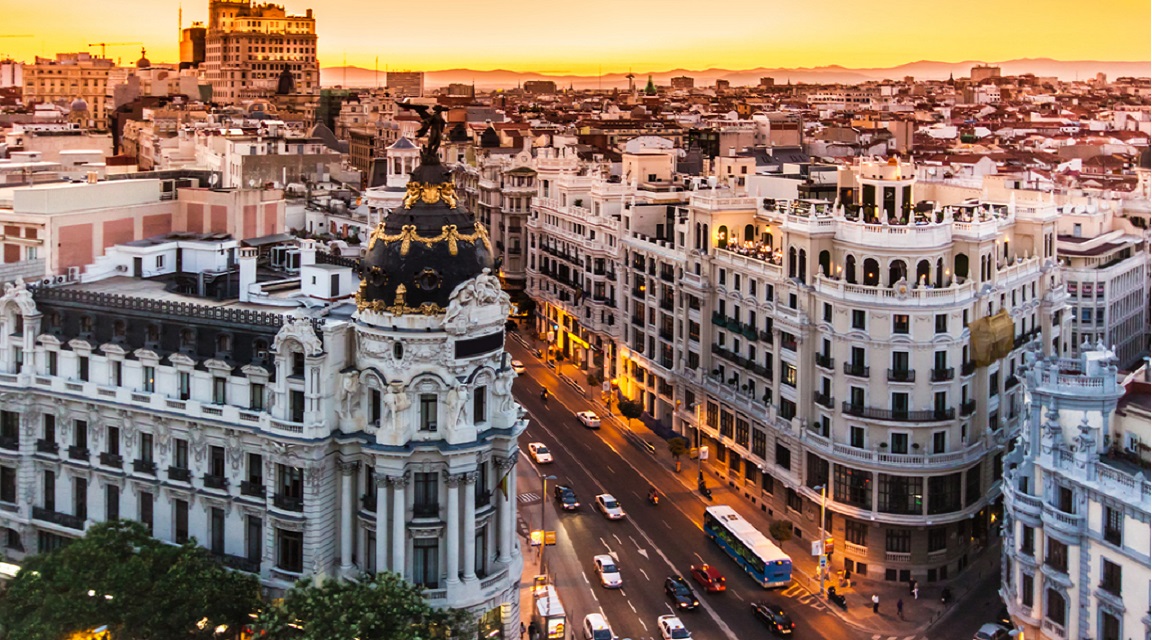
(922, 70)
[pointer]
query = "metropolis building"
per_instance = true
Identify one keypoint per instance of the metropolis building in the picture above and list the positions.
(865, 346)
(333, 431)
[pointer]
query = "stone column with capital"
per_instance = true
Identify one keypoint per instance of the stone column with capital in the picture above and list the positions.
(453, 551)
(399, 524)
(381, 523)
(469, 526)
(347, 508)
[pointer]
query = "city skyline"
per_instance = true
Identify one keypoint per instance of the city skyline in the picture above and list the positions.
(633, 37)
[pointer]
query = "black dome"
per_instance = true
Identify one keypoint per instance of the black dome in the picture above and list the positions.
(420, 253)
(286, 83)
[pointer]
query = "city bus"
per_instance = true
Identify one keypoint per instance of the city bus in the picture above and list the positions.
(755, 553)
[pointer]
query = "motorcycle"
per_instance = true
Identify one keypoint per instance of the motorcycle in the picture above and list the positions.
(946, 596)
(653, 498)
(837, 599)
(704, 490)
(544, 396)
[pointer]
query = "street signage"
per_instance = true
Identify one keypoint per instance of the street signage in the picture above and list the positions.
(703, 453)
(550, 538)
(816, 548)
(823, 562)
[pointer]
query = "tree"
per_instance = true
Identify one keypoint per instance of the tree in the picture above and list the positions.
(631, 410)
(382, 607)
(120, 576)
(677, 447)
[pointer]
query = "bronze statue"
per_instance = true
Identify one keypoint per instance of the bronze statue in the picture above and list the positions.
(433, 126)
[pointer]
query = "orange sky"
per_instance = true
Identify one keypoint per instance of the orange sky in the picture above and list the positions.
(616, 35)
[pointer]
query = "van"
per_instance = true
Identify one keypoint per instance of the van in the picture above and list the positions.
(596, 628)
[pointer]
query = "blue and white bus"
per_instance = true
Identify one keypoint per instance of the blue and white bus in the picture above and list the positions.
(754, 552)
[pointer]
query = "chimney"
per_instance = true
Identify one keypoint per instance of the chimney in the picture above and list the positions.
(307, 252)
(247, 271)
(92, 177)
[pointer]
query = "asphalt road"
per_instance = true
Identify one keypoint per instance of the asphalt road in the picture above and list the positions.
(652, 542)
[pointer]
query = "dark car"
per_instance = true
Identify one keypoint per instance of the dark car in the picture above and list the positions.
(566, 497)
(680, 593)
(774, 617)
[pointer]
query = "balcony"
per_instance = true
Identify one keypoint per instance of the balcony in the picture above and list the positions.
(1069, 523)
(667, 305)
(287, 503)
(749, 331)
(483, 499)
(114, 460)
(144, 466)
(368, 501)
(240, 563)
(45, 446)
(901, 375)
(718, 319)
(78, 453)
(824, 400)
(894, 556)
(253, 489)
(943, 375)
(968, 368)
(220, 483)
(62, 519)
(968, 407)
(898, 415)
(854, 369)
(12, 443)
(788, 343)
(179, 474)
(765, 336)
(426, 511)
(825, 361)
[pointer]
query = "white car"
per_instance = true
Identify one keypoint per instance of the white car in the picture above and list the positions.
(539, 452)
(672, 629)
(607, 505)
(597, 628)
(588, 419)
(609, 572)
(518, 367)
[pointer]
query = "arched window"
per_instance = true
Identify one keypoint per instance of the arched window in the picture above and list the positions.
(749, 233)
(1056, 608)
(850, 269)
(187, 339)
(960, 265)
(802, 269)
(939, 272)
(871, 272)
(696, 239)
(897, 271)
(223, 343)
(722, 236)
(792, 262)
(825, 260)
(923, 273)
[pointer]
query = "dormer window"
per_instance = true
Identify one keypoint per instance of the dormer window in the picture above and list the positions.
(119, 329)
(188, 340)
(223, 343)
(152, 334)
(259, 350)
(86, 324)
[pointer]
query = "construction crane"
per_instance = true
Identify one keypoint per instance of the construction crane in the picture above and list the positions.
(102, 45)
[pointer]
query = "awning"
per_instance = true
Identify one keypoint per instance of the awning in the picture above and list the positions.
(263, 241)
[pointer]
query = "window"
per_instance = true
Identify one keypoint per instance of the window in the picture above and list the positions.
(783, 456)
(426, 496)
(480, 405)
(428, 405)
(759, 446)
(937, 539)
(253, 538)
(899, 442)
(80, 434)
(10, 429)
(941, 323)
(146, 447)
(184, 384)
(901, 494)
(8, 484)
(972, 485)
(113, 441)
(426, 562)
(1027, 540)
(219, 390)
(82, 368)
(1057, 556)
(795, 503)
(856, 437)
(144, 508)
(817, 471)
(852, 486)
(898, 540)
(900, 323)
(180, 520)
(858, 318)
(111, 502)
(827, 312)
(856, 532)
(117, 375)
(216, 462)
(216, 530)
(290, 550)
(1109, 626)
(1113, 526)
(256, 397)
(943, 494)
(290, 482)
(52, 361)
(296, 405)
(1110, 577)
(149, 379)
(1056, 606)
(180, 454)
(939, 441)
(1026, 589)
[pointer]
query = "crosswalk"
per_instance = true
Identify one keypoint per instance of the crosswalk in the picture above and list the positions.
(879, 637)
(527, 498)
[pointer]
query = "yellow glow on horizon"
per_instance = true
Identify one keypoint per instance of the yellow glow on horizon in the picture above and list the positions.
(609, 36)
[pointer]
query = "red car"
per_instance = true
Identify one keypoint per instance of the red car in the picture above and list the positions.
(709, 577)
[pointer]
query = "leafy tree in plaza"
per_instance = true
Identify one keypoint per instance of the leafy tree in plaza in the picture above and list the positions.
(631, 410)
(382, 607)
(677, 447)
(121, 577)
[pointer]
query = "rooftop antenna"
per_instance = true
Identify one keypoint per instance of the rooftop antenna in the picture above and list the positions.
(180, 22)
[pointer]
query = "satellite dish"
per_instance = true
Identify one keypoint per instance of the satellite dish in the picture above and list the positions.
(213, 179)
(251, 182)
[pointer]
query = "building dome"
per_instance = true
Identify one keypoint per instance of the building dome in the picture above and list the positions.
(79, 105)
(286, 84)
(143, 62)
(420, 253)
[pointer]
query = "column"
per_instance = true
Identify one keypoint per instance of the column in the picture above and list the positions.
(381, 523)
(453, 551)
(469, 526)
(507, 469)
(399, 524)
(347, 508)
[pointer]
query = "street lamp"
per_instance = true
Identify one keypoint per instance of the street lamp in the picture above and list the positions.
(823, 551)
(543, 503)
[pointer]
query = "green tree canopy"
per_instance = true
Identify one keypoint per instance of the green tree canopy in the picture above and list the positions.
(677, 447)
(120, 576)
(631, 410)
(381, 607)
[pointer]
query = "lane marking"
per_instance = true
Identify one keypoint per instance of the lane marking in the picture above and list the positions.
(618, 540)
(698, 556)
(642, 624)
(738, 596)
(645, 574)
(632, 606)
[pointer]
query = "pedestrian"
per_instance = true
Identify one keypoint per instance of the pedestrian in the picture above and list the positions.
(916, 592)
(533, 630)
(900, 608)
(875, 603)
(911, 585)
(523, 629)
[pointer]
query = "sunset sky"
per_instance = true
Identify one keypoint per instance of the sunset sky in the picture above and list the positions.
(590, 36)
